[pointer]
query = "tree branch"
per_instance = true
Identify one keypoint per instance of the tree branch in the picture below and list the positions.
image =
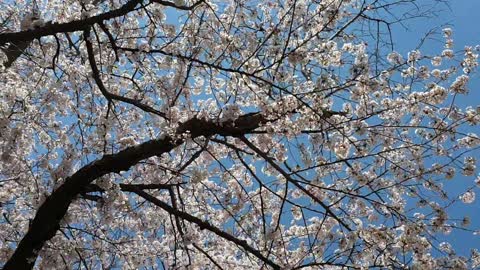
(14, 50)
(54, 28)
(47, 219)
(78, 25)
(293, 181)
(110, 96)
(204, 225)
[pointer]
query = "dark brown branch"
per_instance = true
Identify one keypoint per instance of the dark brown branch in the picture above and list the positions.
(94, 198)
(95, 188)
(171, 4)
(204, 225)
(78, 25)
(47, 219)
(110, 96)
(14, 50)
(54, 28)
(207, 255)
(126, 187)
(111, 39)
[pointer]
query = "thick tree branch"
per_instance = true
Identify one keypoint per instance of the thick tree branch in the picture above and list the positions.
(172, 4)
(125, 187)
(95, 188)
(14, 50)
(78, 25)
(54, 28)
(50, 213)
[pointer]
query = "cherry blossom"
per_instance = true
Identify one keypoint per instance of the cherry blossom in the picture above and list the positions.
(199, 134)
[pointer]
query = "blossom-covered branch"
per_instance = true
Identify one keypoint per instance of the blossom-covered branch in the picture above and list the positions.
(50, 213)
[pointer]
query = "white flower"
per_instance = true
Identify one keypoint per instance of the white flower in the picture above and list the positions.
(450, 173)
(448, 53)
(447, 32)
(469, 141)
(414, 56)
(127, 141)
(460, 84)
(468, 197)
(341, 150)
(230, 113)
(436, 61)
(198, 175)
(446, 247)
(296, 212)
(394, 58)
(144, 46)
(449, 43)
(436, 73)
(198, 85)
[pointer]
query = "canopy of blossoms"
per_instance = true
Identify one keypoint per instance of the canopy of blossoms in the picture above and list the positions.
(230, 134)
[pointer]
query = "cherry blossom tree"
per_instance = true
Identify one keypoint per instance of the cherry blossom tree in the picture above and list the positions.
(205, 134)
